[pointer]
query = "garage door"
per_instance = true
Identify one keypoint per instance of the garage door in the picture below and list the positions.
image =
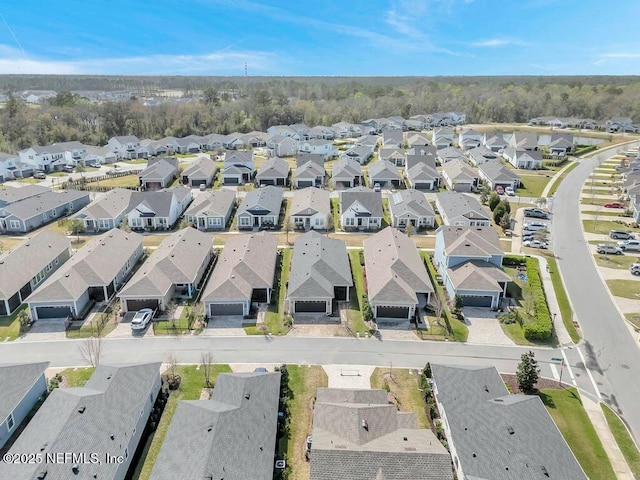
(197, 183)
(423, 186)
(53, 312)
(393, 312)
(135, 305)
(152, 186)
(481, 301)
(305, 183)
(462, 187)
(306, 307)
(231, 181)
(219, 309)
(267, 182)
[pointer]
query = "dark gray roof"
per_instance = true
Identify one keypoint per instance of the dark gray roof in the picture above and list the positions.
(410, 202)
(455, 204)
(496, 171)
(428, 159)
(267, 199)
(44, 202)
(316, 158)
(309, 201)
(230, 437)
(470, 242)
(159, 168)
(202, 168)
(318, 265)
(346, 169)
(370, 200)
(395, 272)
(383, 170)
(109, 205)
(243, 157)
(214, 203)
(158, 202)
(97, 418)
(20, 264)
(247, 262)
(15, 382)
(499, 436)
(275, 167)
(358, 435)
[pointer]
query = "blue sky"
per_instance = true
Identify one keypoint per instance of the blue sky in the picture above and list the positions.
(320, 37)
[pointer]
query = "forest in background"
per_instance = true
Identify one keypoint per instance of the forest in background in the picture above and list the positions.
(242, 104)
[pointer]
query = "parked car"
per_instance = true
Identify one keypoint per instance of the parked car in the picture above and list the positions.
(534, 226)
(607, 248)
(509, 191)
(535, 244)
(68, 168)
(499, 190)
(621, 235)
(203, 187)
(634, 268)
(114, 171)
(625, 245)
(529, 235)
(141, 319)
(94, 165)
(40, 175)
(535, 212)
(376, 187)
(613, 205)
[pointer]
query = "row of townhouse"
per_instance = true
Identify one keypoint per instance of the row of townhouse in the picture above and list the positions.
(611, 125)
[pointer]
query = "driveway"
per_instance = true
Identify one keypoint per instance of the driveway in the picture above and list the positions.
(484, 327)
(123, 329)
(46, 330)
(227, 326)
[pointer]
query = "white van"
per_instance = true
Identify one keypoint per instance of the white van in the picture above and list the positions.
(534, 226)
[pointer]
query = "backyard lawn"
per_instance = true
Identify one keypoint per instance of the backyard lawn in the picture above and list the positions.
(625, 288)
(565, 407)
(623, 439)
(533, 185)
(404, 387)
(124, 181)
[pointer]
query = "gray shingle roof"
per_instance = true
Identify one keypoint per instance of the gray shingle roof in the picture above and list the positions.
(214, 203)
(392, 137)
(247, 262)
(15, 382)
(410, 202)
(242, 157)
(395, 272)
(232, 436)
(318, 265)
(316, 158)
(500, 436)
(422, 172)
(454, 204)
(477, 275)
(19, 265)
(124, 139)
(470, 241)
(110, 205)
(459, 170)
(523, 140)
(158, 169)
(449, 154)
(370, 200)
(178, 259)
(202, 168)
(158, 202)
(383, 170)
(496, 171)
(391, 152)
(265, 199)
(110, 402)
(346, 169)
(96, 263)
(309, 201)
(44, 202)
(309, 171)
(275, 167)
(358, 435)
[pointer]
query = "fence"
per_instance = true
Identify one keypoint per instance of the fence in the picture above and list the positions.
(83, 182)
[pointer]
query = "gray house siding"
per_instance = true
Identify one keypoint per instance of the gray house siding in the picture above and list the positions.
(37, 221)
(23, 408)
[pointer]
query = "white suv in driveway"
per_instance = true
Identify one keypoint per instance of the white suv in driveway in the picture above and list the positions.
(627, 245)
(141, 319)
(534, 226)
(606, 248)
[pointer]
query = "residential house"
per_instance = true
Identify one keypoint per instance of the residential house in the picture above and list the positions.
(323, 132)
(621, 124)
(346, 130)
(157, 210)
(397, 280)
(460, 209)
(27, 265)
(448, 154)
(416, 140)
(524, 141)
(244, 273)
(125, 147)
(284, 131)
(160, 173)
(492, 434)
(274, 171)
(360, 209)
(385, 174)
(74, 151)
(37, 96)
(173, 270)
(310, 209)
(318, 146)
(394, 155)
(189, 144)
(156, 147)
(260, 208)
(107, 211)
(212, 210)
(458, 118)
(469, 138)
(48, 159)
(396, 123)
(347, 173)
(411, 207)
(414, 125)
(233, 141)
(524, 159)
(240, 418)
(214, 142)
(494, 141)
(255, 139)
(200, 172)
(103, 419)
(320, 274)
(495, 173)
(470, 262)
(301, 130)
(561, 144)
(11, 167)
(443, 137)
(359, 153)
(101, 155)
(281, 146)
(238, 168)
(359, 435)
(379, 124)
(370, 141)
(35, 211)
(459, 176)
(479, 155)
(21, 386)
(9, 195)
(310, 170)
(95, 272)
(420, 171)
(392, 138)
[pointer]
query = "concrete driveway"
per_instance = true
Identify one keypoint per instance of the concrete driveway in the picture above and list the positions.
(226, 326)
(484, 327)
(46, 330)
(123, 329)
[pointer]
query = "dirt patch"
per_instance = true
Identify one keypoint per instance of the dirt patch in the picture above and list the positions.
(512, 383)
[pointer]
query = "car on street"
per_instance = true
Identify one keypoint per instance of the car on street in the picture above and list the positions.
(509, 191)
(535, 244)
(634, 268)
(40, 175)
(608, 249)
(534, 226)
(613, 205)
(141, 319)
(536, 213)
(114, 171)
(626, 245)
(621, 235)
(499, 190)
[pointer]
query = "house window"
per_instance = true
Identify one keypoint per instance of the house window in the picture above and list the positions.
(244, 221)
(162, 221)
(45, 215)
(57, 260)
(15, 224)
(211, 221)
(349, 221)
(136, 222)
(103, 223)
(318, 222)
(10, 422)
(373, 221)
(126, 454)
(54, 212)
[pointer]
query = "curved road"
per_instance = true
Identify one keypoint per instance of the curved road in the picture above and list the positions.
(610, 352)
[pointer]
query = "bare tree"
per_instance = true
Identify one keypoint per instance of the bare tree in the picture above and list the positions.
(91, 350)
(287, 228)
(409, 229)
(172, 359)
(438, 306)
(206, 361)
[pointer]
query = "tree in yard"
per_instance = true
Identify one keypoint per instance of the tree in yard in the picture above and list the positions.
(527, 372)
(494, 200)
(438, 306)
(409, 230)
(76, 227)
(542, 202)
(505, 221)
(23, 321)
(206, 361)
(124, 225)
(91, 350)
(498, 212)
(330, 223)
(484, 193)
(287, 228)
(458, 302)
(507, 205)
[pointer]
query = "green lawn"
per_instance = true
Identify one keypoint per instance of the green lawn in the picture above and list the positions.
(124, 181)
(619, 213)
(185, 155)
(386, 217)
(335, 212)
(588, 190)
(616, 261)
(565, 407)
(404, 387)
(604, 226)
(92, 328)
(29, 180)
(137, 161)
(178, 326)
(533, 185)
(10, 326)
(558, 180)
(77, 377)
(634, 318)
(563, 300)
(190, 389)
(623, 439)
(625, 288)
(356, 323)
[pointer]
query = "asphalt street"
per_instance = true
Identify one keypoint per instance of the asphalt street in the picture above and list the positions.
(609, 350)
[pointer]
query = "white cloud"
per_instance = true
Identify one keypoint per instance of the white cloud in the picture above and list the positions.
(498, 42)
(610, 57)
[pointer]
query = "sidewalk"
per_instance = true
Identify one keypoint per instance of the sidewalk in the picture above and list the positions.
(619, 464)
(552, 302)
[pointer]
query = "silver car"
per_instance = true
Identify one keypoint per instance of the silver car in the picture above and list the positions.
(141, 319)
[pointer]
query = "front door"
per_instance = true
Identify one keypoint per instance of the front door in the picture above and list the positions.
(149, 222)
(201, 222)
(256, 221)
(359, 222)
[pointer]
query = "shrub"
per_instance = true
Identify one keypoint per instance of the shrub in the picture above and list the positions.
(494, 200)
(499, 212)
(542, 328)
(511, 261)
(361, 257)
(367, 313)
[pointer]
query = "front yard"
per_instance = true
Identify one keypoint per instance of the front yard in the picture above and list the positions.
(403, 385)
(354, 314)
(605, 226)
(10, 325)
(625, 288)
(616, 261)
(533, 185)
(124, 181)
